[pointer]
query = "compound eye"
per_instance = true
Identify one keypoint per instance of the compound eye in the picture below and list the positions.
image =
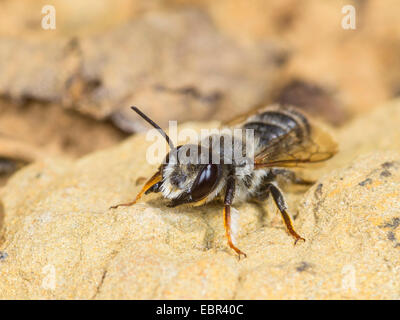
(205, 182)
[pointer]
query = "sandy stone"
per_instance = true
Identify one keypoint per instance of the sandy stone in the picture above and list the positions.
(61, 240)
(320, 49)
(163, 58)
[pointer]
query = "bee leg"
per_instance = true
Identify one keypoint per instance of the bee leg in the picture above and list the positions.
(229, 195)
(292, 177)
(281, 204)
(227, 224)
(156, 178)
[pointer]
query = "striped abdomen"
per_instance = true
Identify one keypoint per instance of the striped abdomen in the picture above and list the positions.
(276, 122)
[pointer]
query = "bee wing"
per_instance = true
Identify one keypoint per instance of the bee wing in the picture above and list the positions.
(242, 118)
(290, 151)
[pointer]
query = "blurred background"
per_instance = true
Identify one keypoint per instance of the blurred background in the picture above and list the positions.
(67, 91)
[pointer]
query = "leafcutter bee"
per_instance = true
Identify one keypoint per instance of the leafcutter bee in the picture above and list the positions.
(283, 137)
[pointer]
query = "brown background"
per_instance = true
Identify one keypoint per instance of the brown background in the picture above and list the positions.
(68, 91)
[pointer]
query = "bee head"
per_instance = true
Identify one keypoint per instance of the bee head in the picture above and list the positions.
(188, 176)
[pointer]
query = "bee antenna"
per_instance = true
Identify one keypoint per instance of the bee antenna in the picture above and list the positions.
(155, 125)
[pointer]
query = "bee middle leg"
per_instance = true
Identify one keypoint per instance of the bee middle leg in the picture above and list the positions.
(229, 195)
(281, 204)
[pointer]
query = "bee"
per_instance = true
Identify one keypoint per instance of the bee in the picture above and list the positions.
(284, 137)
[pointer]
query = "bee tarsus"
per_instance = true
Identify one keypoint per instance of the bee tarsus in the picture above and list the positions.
(154, 180)
(281, 204)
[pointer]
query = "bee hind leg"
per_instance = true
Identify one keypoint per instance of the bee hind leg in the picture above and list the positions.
(281, 204)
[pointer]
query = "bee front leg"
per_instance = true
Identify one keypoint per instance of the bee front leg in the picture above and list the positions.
(229, 195)
(281, 204)
(156, 178)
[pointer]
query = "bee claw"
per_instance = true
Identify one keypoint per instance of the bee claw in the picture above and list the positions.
(299, 238)
(240, 253)
(123, 205)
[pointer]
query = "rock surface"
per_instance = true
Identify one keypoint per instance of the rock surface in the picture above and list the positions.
(160, 59)
(202, 58)
(56, 87)
(59, 238)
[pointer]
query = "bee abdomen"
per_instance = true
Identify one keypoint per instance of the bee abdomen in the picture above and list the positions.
(265, 132)
(272, 124)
